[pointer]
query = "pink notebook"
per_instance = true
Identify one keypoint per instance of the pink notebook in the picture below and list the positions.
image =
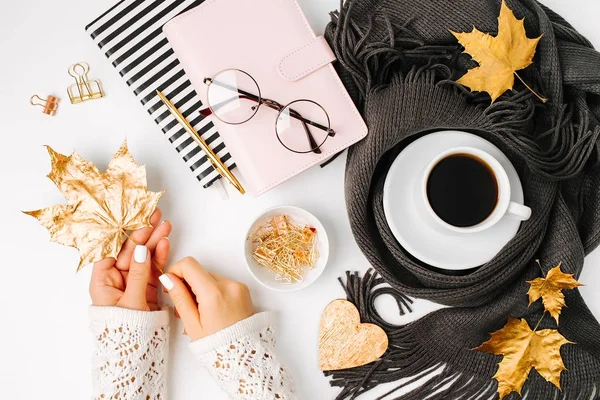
(273, 42)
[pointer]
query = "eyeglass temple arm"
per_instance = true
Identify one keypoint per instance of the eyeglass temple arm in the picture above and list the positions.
(311, 140)
(253, 97)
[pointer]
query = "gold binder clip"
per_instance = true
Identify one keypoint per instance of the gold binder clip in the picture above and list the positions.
(83, 89)
(50, 104)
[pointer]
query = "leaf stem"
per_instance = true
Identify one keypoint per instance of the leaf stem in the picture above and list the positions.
(542, 99)
(544, 314)
(539, 322)
(540, 265)
(137, 244)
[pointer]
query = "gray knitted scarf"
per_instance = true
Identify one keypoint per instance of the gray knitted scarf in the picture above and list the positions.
(399, 63)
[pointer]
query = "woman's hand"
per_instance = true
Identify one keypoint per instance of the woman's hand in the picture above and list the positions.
(214, 303)
(131, 281)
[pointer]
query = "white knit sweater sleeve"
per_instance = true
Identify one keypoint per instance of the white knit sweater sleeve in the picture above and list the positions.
(130, 353)
(242, 360)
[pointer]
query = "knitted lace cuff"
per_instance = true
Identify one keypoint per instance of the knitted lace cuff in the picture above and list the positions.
(241, 358)
(237, 331)
(130, 353)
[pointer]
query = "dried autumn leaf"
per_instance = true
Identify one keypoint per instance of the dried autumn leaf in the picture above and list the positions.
(524, 349)
(102, 206)
(550, 290)
(499, 57)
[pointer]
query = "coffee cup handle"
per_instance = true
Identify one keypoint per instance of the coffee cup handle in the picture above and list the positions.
(518, 211)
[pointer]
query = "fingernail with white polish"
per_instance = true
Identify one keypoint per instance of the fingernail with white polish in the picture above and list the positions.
(140, 254)
(166, 282)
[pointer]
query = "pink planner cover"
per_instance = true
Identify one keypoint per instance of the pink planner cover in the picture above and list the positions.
(273, 42)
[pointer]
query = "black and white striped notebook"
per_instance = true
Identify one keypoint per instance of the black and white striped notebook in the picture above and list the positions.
(130, 35)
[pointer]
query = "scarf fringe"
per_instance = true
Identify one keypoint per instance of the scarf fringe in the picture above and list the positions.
(558, 153)
(374, 63)
(407, 364)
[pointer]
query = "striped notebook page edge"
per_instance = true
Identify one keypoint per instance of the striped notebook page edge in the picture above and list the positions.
(130, 35)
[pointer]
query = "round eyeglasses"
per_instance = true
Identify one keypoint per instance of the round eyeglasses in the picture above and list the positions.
(234, 97)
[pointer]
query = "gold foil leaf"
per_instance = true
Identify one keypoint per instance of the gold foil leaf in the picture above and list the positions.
(102, 206)
(550, 288)
(499, 57)
(523, 349)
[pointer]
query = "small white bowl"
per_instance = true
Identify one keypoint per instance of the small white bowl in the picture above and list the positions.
(298, 216)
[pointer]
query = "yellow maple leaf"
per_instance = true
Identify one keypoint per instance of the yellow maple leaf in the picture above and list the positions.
(523, 349)
(102, 206)
(499, 57)
(550, 290)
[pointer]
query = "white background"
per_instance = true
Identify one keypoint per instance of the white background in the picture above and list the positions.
(45, 345)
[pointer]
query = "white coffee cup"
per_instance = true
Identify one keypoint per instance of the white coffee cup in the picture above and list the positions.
(504, 206)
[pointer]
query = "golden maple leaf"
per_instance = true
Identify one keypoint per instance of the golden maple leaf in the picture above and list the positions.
(102, 206)
(550, 290)
(499, 57)
(524, 349)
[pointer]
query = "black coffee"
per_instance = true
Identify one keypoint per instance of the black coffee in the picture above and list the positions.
(462, 190)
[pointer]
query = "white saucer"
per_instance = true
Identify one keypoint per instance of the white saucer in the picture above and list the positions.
(416, 230)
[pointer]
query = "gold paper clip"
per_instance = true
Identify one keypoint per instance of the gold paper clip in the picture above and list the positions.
(83, 89)
(50, 104)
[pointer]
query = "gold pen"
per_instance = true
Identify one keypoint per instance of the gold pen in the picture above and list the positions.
(219, 166)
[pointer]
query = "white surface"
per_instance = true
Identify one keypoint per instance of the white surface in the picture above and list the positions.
(45, 343)
(298, 216)
(414, 223)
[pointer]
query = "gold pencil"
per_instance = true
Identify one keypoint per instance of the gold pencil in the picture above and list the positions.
(219, 166)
